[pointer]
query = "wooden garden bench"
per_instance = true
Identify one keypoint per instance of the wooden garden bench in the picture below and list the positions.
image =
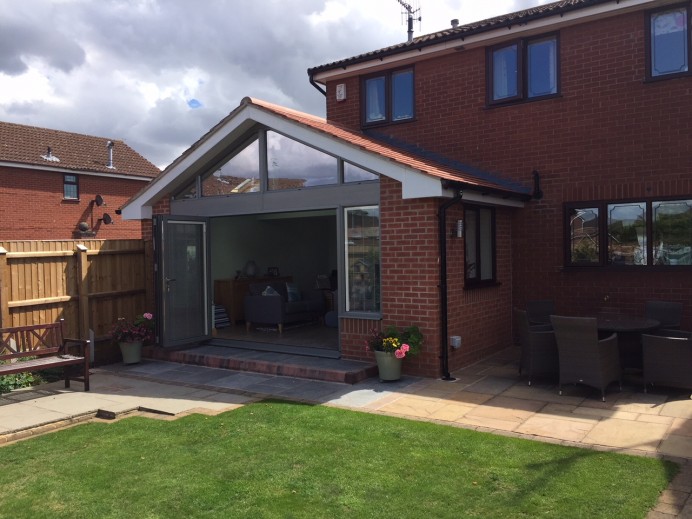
(42, 346)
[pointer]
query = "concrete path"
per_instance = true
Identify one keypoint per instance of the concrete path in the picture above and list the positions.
(488, 396)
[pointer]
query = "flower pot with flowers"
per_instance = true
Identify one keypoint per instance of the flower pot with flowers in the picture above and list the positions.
(391, 347)
(131, 335)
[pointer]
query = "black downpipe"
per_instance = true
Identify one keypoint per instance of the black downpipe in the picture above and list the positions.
(444, 328)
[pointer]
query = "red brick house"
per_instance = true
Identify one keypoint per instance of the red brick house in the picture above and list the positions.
(61, 185)
(541, 154)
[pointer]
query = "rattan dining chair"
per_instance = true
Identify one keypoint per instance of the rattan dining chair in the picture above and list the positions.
(539, 311)
(668, 313)
(583, 358)
(538, 348)
(667, 359)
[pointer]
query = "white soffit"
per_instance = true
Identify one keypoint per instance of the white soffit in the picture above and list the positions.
(548, 23)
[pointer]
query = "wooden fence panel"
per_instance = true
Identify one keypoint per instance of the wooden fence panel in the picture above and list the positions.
(89, 283)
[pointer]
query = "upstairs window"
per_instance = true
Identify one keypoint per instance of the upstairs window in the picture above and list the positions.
(70, 188)
(388, 97)
(669, 42)
(524, 69)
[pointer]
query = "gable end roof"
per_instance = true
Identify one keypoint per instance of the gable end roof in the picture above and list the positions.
(28, 145)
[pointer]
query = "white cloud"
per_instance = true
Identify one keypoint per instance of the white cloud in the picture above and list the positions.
(160, 73)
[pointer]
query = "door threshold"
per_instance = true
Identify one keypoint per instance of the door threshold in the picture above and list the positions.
(323, 353)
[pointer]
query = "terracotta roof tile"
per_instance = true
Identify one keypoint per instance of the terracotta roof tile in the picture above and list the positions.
(29, 145)
(425, 162)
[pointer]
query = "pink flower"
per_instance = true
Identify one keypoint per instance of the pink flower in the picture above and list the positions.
(148, 316)
(405, 348)
(400, 353)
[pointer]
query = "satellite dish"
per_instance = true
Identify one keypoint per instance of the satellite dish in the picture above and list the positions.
(83, 226)
(98, 200)
(107, 218)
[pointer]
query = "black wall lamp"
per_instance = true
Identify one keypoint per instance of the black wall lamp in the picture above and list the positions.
(537, 193)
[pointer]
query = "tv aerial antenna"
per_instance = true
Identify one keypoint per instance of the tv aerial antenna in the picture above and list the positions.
(410, 13)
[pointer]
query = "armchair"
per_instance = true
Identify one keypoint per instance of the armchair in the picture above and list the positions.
(583, 358)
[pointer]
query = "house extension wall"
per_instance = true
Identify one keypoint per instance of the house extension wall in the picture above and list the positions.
(32, 206)
(609, 135)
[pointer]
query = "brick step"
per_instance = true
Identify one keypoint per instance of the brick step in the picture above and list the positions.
(268, 362)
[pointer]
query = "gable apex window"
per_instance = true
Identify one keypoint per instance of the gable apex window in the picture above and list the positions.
(523, 69)
(669, 46)
(388, 97)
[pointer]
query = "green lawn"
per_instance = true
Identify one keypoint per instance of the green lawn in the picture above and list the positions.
(280, 459)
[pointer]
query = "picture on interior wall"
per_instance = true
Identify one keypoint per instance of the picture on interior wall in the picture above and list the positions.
(273, 272)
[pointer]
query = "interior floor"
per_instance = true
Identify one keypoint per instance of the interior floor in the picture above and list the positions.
(303, 335)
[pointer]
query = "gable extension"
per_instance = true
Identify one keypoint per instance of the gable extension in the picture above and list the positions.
(420, 176)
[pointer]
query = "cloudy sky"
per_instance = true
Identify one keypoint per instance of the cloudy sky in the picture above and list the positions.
(159, 73)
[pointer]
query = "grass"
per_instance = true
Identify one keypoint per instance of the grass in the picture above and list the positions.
(280, 459)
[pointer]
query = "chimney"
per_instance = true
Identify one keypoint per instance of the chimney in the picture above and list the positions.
(110, 145)
(455, 23)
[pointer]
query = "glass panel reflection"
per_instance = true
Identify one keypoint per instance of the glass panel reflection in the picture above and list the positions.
(362, 259)
(672, 232)
(584, 225)
(627, 234)
(240, 174)
(293, 165)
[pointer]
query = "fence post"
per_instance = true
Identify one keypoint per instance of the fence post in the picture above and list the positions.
(83, 290)
(4, 290)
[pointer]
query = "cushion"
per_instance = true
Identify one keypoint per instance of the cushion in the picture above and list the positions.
(293, 292)
(269, 291)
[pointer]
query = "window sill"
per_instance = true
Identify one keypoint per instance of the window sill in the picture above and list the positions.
(71, 200)
(481, 284)
(378, 124)
(515, 102)
(666, 77)
(635, 269)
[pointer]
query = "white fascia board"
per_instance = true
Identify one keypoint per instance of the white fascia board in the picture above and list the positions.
(472, 196)
(139, 207)
(68, 171)
(486, 38)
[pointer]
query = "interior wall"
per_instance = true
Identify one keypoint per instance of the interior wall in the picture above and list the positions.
(301, 247)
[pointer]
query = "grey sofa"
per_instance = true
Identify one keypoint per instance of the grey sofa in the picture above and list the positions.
(261, 307)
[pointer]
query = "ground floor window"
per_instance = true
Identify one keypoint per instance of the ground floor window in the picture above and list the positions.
(479, 245)
(362, 232)
(632, 233)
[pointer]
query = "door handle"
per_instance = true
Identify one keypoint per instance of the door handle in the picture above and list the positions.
(168, 283)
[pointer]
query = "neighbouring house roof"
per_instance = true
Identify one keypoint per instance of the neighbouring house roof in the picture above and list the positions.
(60, 150)
(373, 152)
(458, 34)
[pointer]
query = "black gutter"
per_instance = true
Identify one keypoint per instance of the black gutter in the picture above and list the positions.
(444, 328)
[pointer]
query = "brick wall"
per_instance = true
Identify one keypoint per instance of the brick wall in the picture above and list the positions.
(609, 135)
(32, 206)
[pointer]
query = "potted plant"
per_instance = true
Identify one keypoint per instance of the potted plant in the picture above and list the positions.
(131, 335)
(391, 347)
